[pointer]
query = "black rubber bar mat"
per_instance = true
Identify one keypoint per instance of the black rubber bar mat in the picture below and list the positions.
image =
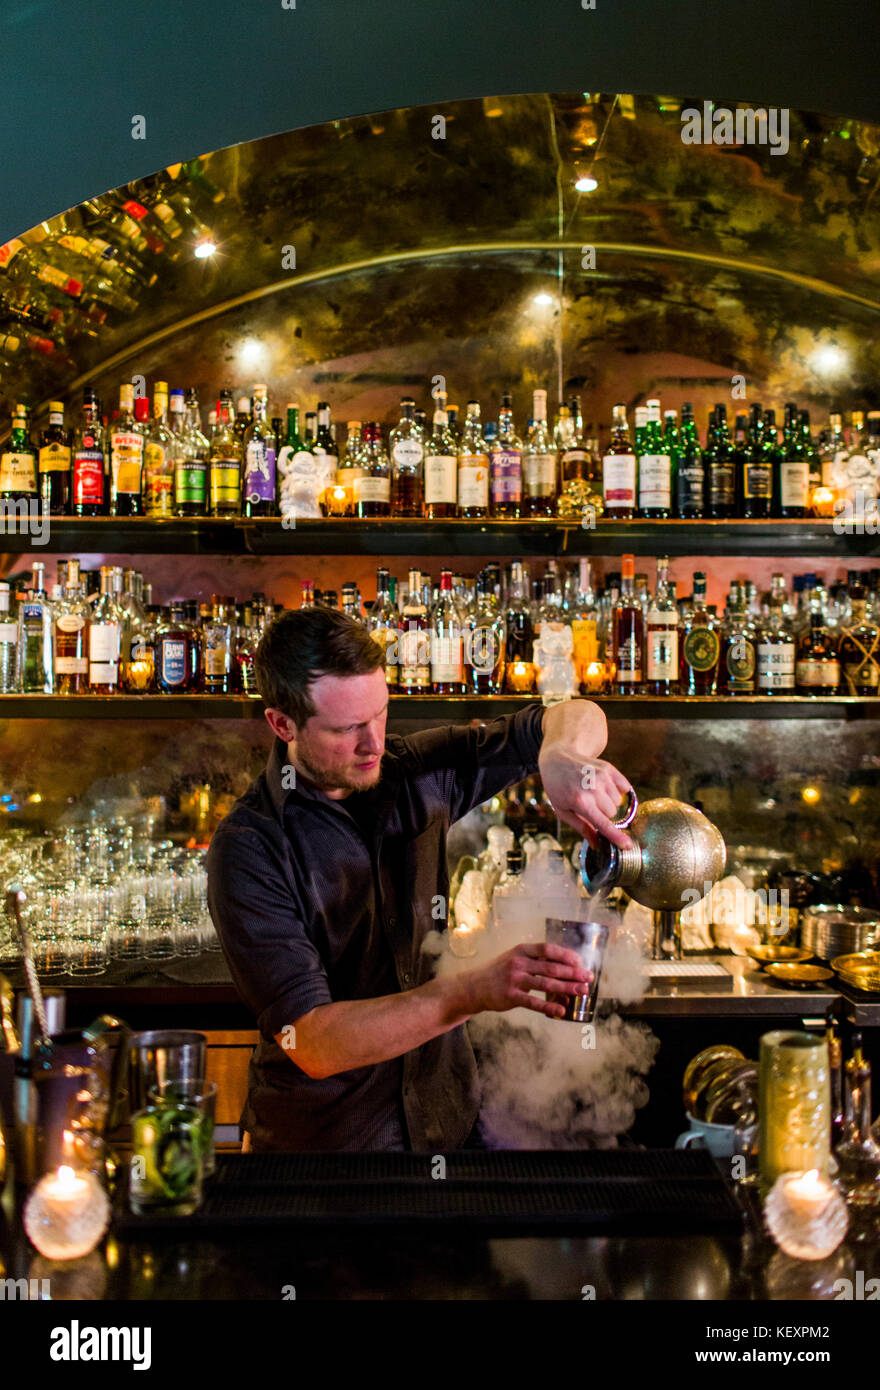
(635, 1191)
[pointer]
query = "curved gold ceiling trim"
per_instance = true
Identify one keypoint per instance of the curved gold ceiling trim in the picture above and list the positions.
(616, 248)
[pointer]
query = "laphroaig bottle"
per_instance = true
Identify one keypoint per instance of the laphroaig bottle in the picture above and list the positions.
(225, 462)
(776, 645)
(473, 467)
(619, 471)
(700, 644)
(18, 462)
(627, 634)
(158, 460)
(539, 463)
(506, 465)
(258, 448)
(126, 458)
(661, 636)
(105, 637)
(719, 466)
(654, 468)
(72, 615)
(8, 643)
(690, 476)
(55, 463)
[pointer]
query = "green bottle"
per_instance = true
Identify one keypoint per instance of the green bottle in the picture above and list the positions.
(295, 460)
(791, 469)
(689, 489)
(720, 489)
(18, 462)
(758, 476)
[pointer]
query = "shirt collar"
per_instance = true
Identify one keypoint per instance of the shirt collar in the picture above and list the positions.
(385, 790)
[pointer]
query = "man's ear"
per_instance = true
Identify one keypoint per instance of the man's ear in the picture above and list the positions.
(281, 724)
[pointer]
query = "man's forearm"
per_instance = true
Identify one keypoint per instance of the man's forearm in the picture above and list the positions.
(578, 725)
(361, 1032)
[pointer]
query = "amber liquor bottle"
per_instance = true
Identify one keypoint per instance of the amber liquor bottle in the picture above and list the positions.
(627, 633)
(177, 654)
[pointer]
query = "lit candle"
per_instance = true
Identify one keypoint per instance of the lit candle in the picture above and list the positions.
(822, 500)
(594, 676)
(806, 1215)
(67, 1213)
(521, 677)
(807, 1194)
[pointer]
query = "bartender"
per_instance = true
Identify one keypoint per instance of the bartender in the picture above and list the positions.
(329, 872)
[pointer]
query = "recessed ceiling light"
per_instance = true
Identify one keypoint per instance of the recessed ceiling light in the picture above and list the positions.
(204, 249)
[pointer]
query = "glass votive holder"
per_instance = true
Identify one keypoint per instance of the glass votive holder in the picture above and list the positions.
(165, 1174)
(67, 1213)
(202, 1096)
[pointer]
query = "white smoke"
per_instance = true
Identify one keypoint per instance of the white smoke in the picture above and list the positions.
(547, 1082)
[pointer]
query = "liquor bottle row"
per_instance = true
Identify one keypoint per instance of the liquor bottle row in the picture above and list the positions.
(498, 632)
(251, 465)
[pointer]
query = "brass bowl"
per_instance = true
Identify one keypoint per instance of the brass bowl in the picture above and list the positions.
(777, 955)
(798, 976)
(860, 969)
(700, 1068)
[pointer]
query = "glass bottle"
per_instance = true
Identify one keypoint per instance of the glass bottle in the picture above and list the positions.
(858, 1153)
(18, 462)
(540, 485)
(473, 467)
(351, 601)
(810, 452)
(719, 466)
(177, 654)
(776, 645)
(661, 636)
(310, 430)
(326, 454)
(351, 464)
(441, 468)
(126, 458)
(8, 643)
(506, 465)
(242, 418)
(225, 462)
(833, 452)
(446, 629)
(415, 642)
(627, 634)
(690, 476)
(71, 616)
(484, 642)
(757, 475)
(859, 648)
(247, 639)
(372, 490)
(158, 459)
(619, 471)
(295, 462)
(383, 625)
(258, 465)
(105, 637)
(36, 664)
(791, 468)
(191, 461)
(575, 461)
(817, 669)
(654, 468)
(453, 425)
(738, 661)
(307, 599)
(700, 644)
(519, 634)
(54, 463)
(407, 463)
(217, 642)
(584, 615)
(139, 641)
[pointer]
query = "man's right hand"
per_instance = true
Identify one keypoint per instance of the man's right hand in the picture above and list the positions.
(506, 981)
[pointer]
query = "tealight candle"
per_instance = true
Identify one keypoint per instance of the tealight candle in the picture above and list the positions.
(67, 1213)
(594, 676)
(806, 1215)
(521, 677)
(822, 500)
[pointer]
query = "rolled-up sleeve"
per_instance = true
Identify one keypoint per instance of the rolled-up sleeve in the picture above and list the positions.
(275, 967)
(475, 763)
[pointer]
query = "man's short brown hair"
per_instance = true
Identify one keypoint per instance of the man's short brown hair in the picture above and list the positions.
(300, 646)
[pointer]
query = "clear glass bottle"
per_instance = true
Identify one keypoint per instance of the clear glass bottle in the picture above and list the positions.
(218, 644)
(372, 490)
(776, 648)
(506, 465)
(158, 459)
(407, 448)
(258, 460)
(71, 616)
(139, 644)
(473, 467)
(661, 637)
(177, 654)
(105, 637)
(447, 641)
(18, 462)
(351, 464)
(415, 641)
(484, 641)
(225, 462)
(858, 1153)
(36, 662)
(441, 468)
(8, 643)
(383, 625)
(627, 634)
(619, 470)
(585, 626)
(700, 644)
(540, 485)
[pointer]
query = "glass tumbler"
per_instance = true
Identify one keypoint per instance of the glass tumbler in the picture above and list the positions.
(202, 1096)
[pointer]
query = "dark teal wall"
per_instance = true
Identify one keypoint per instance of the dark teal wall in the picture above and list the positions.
(210, 73)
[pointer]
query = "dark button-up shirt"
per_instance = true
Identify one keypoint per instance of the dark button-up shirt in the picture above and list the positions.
(316, 901)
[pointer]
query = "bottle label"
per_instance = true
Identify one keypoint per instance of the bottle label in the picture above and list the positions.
(217, 652)
(18, 473)
(415, 658)
(824, 671)
(225, 482)
(794, 483)
(575, 464)
(71, 666)
(505, 470)
(51, 275)
(104, 641)
(9, 250)
(539, 472)
(259, 472)
(586, 645)
(158, 478)
(757, 481)
(173, 661)
(690, 485)
(71, 622)
(441, 478)
(9, 633)
(619, 480)
(190, 477)
(701, 648)
(740, 660)
(367, 489)
(54, 458)
(655, 482)
(776, 663)
(126, 462)
(407, 452)
(662, 651)
(446, 660)
(387, 637)
(861, 673)
(88, 476)
(629, 660)
(721, 483)
(473, 480)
